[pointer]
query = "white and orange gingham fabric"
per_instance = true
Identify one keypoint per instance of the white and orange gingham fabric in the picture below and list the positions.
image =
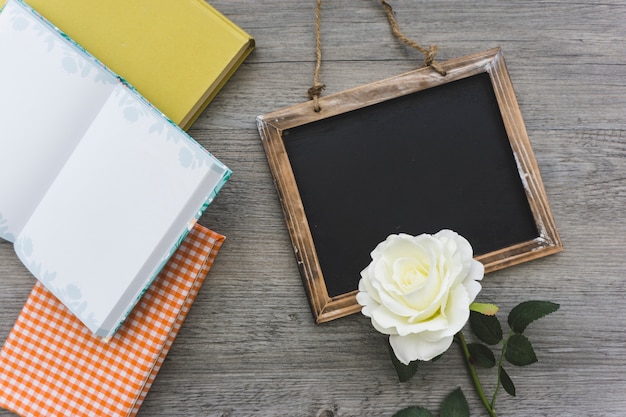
(51, 365)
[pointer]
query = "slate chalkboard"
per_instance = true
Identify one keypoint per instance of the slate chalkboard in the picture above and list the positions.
(438, 158)
(414, 154)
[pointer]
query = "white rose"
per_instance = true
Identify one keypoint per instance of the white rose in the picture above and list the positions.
(418, 290)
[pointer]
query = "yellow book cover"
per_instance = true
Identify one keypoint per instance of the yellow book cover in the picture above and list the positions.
(177, 54)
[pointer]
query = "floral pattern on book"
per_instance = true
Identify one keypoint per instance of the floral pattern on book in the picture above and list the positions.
(190, 154)
(76, 64)
(19, 21)
(192, 157)
(74, 61)
(70, 294)
(5, 233)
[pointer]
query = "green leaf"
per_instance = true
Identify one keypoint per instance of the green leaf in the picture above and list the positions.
(486, 328)
(455, 405)
(413, 412)
(483, 308)
(519, 351)
(481, 355)
(525, 313)
(506, 382)
(405, 372)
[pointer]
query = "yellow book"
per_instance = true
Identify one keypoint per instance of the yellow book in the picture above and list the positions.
(176, 53)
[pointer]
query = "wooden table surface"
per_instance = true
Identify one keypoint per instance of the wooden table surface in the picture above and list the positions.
(250, 347)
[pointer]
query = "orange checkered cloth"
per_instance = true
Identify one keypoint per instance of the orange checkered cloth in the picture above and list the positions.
(51, 365)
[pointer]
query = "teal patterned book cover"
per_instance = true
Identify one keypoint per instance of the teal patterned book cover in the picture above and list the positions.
(97, 187)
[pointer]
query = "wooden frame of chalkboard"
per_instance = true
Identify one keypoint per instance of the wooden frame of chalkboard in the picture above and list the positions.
(413, 154)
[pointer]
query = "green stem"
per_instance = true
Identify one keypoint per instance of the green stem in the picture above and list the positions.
(500, 360)
(472, 370)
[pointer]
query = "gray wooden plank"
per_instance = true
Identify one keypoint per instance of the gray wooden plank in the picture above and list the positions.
(249, 346)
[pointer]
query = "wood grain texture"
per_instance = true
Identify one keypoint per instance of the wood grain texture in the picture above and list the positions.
(250, 347)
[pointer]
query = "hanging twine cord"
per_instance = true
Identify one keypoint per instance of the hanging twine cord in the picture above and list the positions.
(316, 90)
(429, 53)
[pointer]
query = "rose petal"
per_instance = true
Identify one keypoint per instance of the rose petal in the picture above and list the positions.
(471, 283)
(416, 347)
(457, 310)
(428, 299)
(386, 317)
(477, 271)
(460, 244)
(434, 324)
(366, 302)
(382, 326)
(473, 288)
(409, 274)
(398, 305)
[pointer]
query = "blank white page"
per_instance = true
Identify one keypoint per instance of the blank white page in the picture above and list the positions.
(50, 91)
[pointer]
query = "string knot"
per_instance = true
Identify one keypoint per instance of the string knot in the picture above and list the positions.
(315, 91)
(430, 55)
(314, 94)
(429, 59)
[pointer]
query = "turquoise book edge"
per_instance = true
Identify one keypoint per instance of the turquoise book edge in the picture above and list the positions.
(106, 333)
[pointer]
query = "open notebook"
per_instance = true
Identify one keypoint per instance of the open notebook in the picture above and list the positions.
(97, 187)
(50, 365)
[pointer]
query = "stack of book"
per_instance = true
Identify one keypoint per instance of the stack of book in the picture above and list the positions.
(108, 178)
